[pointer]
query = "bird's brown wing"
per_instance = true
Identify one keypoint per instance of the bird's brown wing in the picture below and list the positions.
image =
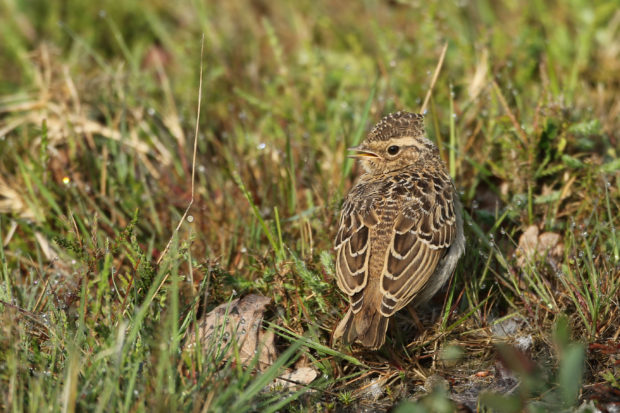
(352, 247)
(422, 232)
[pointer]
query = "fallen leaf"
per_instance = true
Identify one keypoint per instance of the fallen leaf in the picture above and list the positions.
(533, 245)
(241, 319)
(292, 379)
(527, 245)
(551, 242)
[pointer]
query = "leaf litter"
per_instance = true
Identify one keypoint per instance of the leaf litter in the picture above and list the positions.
(240, 321)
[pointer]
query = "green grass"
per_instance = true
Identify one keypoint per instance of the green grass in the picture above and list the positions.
(98, 107)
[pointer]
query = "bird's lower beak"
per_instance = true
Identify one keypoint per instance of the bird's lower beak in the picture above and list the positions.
(361, 153)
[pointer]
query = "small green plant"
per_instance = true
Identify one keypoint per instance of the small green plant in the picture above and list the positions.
(346, 397)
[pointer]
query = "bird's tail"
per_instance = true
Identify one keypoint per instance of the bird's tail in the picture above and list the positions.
(367, 327)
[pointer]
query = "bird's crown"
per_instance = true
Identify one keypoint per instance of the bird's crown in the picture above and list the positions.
(396, 125)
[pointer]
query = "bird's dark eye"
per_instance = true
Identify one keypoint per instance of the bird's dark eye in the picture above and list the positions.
(393, 150)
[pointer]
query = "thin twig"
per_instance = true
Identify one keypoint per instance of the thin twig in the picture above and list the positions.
(435, 76)
(28, 314)
(191, 202)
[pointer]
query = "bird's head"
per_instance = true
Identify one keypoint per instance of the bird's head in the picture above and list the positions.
(396, 142)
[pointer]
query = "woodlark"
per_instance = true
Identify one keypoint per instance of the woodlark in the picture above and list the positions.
(401, 230)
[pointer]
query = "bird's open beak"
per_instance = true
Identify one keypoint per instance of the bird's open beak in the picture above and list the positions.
(361, 153)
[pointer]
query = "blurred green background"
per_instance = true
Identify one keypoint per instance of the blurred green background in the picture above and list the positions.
(98, 108)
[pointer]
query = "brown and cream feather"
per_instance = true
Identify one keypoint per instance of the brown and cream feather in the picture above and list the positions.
(400, 233)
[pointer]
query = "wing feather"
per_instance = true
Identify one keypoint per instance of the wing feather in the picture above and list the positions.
(353, 250)
(422, 233)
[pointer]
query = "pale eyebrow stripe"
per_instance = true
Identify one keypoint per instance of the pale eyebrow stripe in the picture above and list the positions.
(418, 142)
(405, 140)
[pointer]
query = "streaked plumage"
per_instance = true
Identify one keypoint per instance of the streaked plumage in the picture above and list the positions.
(401, 231)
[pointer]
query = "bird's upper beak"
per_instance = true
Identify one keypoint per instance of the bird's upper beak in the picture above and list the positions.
(359, 152)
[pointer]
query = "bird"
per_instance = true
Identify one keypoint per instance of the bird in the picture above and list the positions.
(400, 231)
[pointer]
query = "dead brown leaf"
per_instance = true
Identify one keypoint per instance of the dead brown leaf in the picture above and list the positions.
(533, 246)
(241, 319)
(291, 379)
